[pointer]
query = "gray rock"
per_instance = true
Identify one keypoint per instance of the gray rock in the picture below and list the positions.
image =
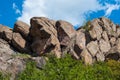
(105, 36)
(100, 56)
(7, 36)
(113, 41)
(4, 29)
(22, 28)
(107, 26)
(65, 32)
(8, 63)
(104, 46)
(40, 61)
(80, 39)
(93, 47)
(118, 45)
(44, 37)
(5, 48)
(95, 29)
(80, 42)
(19, 43)
(118, 31)
(86, 57)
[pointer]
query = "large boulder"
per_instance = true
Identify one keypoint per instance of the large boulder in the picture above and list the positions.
(93, 48)
(41, 27)
(22, 28)
(95, 29)
(86, 57)
(109, 27)
(65, 33)
(44, 36)
(80, 42)
(6, 33)
(104, 46)
(19, 43)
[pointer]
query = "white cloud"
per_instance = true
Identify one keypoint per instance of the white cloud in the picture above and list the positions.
(15, 7)
(110, 8)
(69, 10)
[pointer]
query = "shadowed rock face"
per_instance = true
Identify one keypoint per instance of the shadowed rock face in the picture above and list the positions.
(97, 40)
(44, 37)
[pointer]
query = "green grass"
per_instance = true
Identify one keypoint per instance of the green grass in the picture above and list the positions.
(70, 69)
(4, 76)
(21, 55)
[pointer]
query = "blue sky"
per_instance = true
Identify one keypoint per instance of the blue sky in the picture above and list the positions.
(7, 13)
(77, 12)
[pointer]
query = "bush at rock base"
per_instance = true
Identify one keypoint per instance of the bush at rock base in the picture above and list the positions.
(115, 68)
(4, 76)
(70, 69)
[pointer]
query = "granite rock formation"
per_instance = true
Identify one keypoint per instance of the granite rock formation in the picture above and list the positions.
(97, 40)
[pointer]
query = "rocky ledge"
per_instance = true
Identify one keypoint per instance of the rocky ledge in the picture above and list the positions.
(97, 40)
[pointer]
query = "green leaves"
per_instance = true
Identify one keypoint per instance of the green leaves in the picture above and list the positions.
(69, 69)
(4, 76)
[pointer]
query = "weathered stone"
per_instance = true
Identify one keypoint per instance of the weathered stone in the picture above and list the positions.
(22, 28)
(93, 47)
(40, 61)
(73, 54)
(44, 36)
(15, 66)
(46, 46)
(5, 47)
(104, 46)
(65, 32)
(4, 29)
(107, 26)
(113, 41)
(105, 36)
(118, 45)
(95, 29)
(114, 27)
(80, 42)
(118, 31)
(7, 36)
(80, 39)
(100, 56)
(19, 43)
(8, 63)
(41, 27)
(86, 57)
(112, 50)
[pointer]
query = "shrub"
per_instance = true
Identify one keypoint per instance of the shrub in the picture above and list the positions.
(69, 69)
(4, 76)
(30, 73)
(115, 68)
